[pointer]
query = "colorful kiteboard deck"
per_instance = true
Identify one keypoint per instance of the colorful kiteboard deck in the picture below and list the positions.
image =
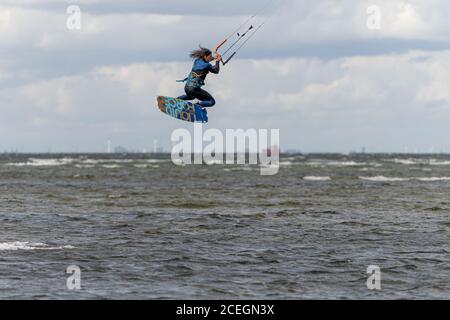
(182, 110)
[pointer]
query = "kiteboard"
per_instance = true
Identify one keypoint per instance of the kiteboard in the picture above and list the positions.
(182, 110)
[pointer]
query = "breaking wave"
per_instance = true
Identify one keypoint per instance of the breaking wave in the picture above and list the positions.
(18, 245)
(395, 179)
(314, 178)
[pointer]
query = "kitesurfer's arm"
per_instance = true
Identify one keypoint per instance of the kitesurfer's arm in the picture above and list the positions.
(216, 68)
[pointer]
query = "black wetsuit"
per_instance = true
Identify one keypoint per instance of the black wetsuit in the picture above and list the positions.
(196, 80)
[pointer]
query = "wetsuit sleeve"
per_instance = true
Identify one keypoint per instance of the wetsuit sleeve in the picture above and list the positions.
(214, 69)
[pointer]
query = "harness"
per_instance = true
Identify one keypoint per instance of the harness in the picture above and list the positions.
(194, 80)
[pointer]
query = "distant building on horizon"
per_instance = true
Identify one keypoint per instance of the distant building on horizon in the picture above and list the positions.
(120, 149)
(292, 151)
(273, 150)
(156, 147)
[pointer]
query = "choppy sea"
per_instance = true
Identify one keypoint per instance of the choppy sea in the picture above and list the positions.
(140, 227)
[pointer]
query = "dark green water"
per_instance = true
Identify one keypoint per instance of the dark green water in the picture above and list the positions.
(141, 227)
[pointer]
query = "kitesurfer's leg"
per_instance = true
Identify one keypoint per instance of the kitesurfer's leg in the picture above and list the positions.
(206, 100)
(188, 95)
(185, 97)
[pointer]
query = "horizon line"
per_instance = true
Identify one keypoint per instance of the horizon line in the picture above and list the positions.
(281, 153)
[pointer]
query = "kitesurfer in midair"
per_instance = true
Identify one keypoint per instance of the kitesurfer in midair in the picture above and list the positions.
(196, 78)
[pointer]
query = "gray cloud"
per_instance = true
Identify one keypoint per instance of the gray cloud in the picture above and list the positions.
(173, 7)
(315, 71)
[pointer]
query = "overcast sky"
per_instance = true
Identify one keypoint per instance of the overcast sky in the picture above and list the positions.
(315, 71)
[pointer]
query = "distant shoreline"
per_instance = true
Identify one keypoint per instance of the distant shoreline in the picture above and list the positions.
(168, 154)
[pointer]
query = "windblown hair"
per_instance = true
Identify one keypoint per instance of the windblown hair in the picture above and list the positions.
(200, 53)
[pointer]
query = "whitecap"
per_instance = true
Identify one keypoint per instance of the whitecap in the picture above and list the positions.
(384, 179)
(346, 163)
(432, 179)
(42, 162)
(411, 161)
(91, 161)
(406, 161)
(157, 160)
(19, 245)
(337, 163)
(110, 166)
(434, 162)
(315, 178)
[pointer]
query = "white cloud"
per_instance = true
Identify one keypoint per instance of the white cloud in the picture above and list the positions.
(294, 23)
(392, 91)
(105, 77)
(395, 85)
